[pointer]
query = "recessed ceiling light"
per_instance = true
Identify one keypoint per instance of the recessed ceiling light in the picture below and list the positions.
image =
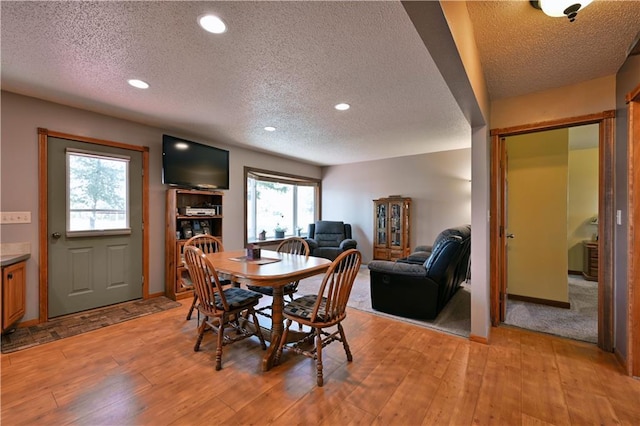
(181, 146)
(342, 107)
(270, 129)
(213, 24)
(138, 83)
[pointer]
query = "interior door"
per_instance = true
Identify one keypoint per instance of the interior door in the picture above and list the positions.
(103, 265)
(503, 236)
(537, 215)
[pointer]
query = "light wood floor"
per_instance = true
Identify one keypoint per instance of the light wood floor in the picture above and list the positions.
(145, 372)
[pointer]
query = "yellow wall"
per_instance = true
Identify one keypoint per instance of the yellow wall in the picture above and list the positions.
(587, 97)
(582, 202)
(537, 215)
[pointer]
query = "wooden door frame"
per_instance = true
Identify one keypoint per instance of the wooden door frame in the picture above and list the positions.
(606, 215)
(633, 266)
(43, 205)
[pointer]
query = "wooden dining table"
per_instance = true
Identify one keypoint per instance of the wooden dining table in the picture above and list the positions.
(274, 270)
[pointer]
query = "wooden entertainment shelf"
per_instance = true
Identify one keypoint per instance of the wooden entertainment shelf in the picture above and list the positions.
(179, 227)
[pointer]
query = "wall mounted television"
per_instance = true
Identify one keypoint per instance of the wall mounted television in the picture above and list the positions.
(190, 164)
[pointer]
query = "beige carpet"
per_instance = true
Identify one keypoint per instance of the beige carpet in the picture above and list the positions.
(454, 319)
(81, 322)
(580, 322)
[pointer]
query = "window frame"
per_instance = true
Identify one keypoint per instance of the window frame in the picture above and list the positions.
(126, 230)
(278, 177)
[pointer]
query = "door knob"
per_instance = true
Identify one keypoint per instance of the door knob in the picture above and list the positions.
(56, 235)
(510, 236)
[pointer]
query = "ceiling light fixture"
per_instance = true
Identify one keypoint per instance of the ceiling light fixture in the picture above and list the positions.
(270, 129)
(138, 83)
(342, 107)
(212, 23)
(559, 8)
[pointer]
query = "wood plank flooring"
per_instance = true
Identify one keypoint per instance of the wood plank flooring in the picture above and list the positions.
(144, 371)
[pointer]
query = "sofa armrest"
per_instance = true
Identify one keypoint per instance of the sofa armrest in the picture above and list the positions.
(313, 244)
(418, 257)
(423, 248)
(398, 268)
(348, 244)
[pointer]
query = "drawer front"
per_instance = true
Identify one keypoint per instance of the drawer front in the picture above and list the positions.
(380, 254)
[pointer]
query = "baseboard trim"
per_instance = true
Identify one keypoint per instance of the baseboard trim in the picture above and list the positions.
(479, 339)
(152, 295)
(575, 272)
(556, 303)
(621, 360)
(28, 323)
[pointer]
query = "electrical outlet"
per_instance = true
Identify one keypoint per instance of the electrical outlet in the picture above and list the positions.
(15, 217)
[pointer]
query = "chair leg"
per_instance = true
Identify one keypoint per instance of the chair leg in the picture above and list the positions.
(263, 345)
(283, 341)
(343, 337)
(201, 330)
(319, 357)
(193, 306)
(220, 342)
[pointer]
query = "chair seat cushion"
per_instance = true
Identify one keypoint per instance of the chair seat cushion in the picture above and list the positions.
(302, 307)
(288, 289)
(237, 298)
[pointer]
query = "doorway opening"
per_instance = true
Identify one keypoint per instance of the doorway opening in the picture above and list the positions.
(605, 214)
(551, 227)
(82, 281)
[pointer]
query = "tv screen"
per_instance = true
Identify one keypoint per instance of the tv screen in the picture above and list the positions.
(194, 165)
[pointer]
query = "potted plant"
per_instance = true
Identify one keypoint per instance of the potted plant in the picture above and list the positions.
(280, 230)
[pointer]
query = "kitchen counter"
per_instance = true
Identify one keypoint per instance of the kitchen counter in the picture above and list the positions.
(10, 259)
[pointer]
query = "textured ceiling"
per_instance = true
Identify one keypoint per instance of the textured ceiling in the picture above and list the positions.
(524, 51)
(285, 64)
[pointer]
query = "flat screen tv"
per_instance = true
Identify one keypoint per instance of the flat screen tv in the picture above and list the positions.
(190, 164)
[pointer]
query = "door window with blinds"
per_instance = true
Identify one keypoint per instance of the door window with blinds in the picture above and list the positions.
(97, 194)
(279, 206)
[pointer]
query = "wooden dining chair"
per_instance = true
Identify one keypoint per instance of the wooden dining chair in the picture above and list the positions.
(324, 310)
(208, 244)
(292, 245)
(221, 307)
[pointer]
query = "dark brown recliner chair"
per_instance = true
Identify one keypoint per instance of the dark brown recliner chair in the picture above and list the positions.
(330, 238)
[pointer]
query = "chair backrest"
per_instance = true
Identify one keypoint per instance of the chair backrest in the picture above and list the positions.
(448, 263)
(294, 245)
(336, 288)
(206, 243)
(205, 281)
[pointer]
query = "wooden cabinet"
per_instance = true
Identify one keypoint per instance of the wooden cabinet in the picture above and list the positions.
(14, 284)
(189, 213)
(590, 264)
(391, 239)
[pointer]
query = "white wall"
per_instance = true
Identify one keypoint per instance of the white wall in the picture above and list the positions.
(438, 183)
(21, 117)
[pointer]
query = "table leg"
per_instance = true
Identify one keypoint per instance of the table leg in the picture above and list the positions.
(277, 327)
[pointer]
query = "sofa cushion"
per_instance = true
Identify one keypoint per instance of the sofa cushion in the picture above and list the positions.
(418, 256)
(398, 268)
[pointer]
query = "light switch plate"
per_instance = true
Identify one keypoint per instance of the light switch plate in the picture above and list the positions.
(619, 217)
(15, 217)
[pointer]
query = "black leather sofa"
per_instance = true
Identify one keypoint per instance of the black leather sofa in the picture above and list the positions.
(329, 238)
(421, 284)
